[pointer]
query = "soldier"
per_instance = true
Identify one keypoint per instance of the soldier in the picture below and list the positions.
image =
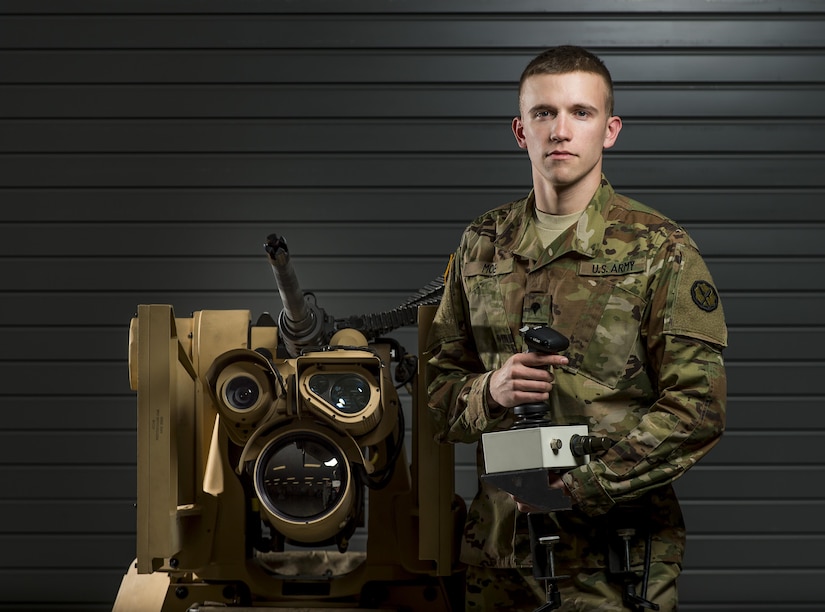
(644, 367)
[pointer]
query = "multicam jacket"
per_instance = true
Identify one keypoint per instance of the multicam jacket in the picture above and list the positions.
(630, 290)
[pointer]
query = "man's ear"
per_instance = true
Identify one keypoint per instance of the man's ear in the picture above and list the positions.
(518, 132)
(611, 133)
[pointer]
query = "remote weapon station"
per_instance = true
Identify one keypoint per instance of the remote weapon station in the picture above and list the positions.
(265, 449)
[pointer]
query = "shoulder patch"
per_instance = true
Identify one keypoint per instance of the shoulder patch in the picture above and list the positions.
(694, 308)
(704, 295)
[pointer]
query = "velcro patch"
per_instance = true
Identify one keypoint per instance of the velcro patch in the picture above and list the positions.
(695, 309)
(611, 268)
(488, 268)
(704, 295)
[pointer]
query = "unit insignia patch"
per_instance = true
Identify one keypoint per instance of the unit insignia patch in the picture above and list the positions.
(704, 295)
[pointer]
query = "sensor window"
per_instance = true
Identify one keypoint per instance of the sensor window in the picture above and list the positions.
(348, 393)
(302, 477)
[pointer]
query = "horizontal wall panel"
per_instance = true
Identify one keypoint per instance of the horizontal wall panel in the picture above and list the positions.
(785, 448)
(58, 587)
(399, 66)
(73, 343)
(42, 307)
(758, 551)
(71, 414)
(148, 275)
(369, 170)
(106, 343)
(63, 448)
(720, 483)
(331, 239)
(775, 379)
(313, 31)
(574, 7)
(783, 308)
(366, 101)
(86, 379)
(119, 308)
(766, 274)
(195, 239)
(760, 413)
(763, 590)
(359, 135)
(754, 516)
(68, 516)
(76, 483)
(80, 551)
(344, 274)
(267, 207)
(780, 240)
(760, 344)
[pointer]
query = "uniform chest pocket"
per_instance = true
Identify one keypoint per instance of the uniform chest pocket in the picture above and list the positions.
(603, 321)
(488, 287)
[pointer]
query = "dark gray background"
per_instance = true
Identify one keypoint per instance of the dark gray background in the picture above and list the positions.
(147, 148)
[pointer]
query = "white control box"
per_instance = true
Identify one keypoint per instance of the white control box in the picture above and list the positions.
(533, 447)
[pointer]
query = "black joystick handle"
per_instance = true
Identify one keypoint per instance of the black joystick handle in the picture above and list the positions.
(545, 340)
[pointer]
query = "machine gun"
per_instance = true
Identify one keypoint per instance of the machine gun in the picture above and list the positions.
(263, 448)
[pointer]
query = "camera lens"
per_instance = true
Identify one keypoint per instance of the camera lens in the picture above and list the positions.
(242, 392)
(350, 394)
(302, 478)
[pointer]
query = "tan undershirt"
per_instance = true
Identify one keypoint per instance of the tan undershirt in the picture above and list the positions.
(549, 227)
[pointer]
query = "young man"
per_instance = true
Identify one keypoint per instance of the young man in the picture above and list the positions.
(630, 290)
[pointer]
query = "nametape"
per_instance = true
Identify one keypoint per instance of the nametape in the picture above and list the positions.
(488, 268)
(611, 268)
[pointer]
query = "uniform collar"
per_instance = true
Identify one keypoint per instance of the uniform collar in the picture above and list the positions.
(517, 232)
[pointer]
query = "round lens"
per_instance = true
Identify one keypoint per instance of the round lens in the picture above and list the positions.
(242, 392)
(319, 384)
(302, 477)
(350, 394)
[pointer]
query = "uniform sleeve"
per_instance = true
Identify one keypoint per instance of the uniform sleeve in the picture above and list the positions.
(685, 333)
(457, 381)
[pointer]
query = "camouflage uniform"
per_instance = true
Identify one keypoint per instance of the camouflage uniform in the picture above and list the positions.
(630, 290)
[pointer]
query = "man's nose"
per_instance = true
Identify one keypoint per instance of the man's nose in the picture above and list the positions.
(561, 128)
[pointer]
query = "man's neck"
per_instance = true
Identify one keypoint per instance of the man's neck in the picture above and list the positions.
(565, 199)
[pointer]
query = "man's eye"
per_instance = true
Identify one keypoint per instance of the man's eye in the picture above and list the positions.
(543, 113)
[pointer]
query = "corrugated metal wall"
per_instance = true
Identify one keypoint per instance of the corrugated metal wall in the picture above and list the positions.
(147, 148)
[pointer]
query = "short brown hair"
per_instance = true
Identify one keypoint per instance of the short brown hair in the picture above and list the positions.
(568, 58)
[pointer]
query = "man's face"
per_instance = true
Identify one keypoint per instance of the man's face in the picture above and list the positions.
(564, 126)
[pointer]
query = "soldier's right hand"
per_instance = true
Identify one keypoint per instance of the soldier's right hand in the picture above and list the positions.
(524, 378)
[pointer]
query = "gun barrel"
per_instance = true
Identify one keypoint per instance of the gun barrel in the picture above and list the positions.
(295, 307)
(301, 323)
